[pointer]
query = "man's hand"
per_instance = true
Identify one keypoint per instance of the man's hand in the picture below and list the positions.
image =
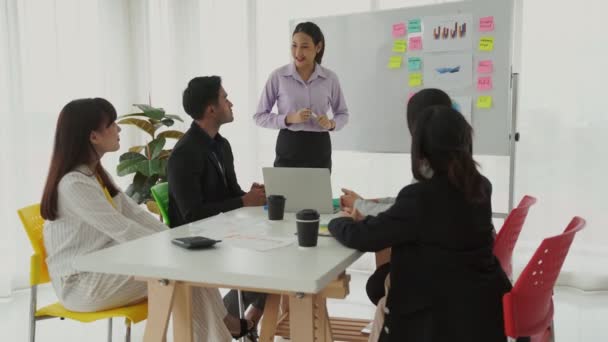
(255, 197)
(257, 186)
(348, 199)
(352, 213)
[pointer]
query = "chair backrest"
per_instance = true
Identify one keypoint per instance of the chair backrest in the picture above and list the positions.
(160, 192)
(528, 308)
(509, 233)
(33, 224)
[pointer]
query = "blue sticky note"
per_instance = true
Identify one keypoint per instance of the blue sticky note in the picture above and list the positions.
(414, 63)
(414, 26)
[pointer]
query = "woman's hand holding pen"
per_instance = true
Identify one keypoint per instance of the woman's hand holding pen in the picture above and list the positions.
(300, 116)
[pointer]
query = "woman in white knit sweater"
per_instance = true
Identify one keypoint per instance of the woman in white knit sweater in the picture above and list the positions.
(85, 212)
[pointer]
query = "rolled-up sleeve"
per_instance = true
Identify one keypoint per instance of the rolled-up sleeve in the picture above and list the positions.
(264, 117)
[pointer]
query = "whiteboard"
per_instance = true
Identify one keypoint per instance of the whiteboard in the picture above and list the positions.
(359, 47)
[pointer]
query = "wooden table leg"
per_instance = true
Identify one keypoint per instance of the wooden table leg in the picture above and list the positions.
(182, 313)
(322, 323)
(270, 317)
(301, 318)
(160, 300)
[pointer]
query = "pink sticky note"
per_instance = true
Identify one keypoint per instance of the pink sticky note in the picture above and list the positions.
(485, 67)
(399, 30)
(486, 24)
(484, 83)
(409, 96)
(415, 43)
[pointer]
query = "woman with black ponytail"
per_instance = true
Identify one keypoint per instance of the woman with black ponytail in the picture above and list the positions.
(446, 285)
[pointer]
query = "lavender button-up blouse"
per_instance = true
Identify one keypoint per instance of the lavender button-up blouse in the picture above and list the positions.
(291, 93)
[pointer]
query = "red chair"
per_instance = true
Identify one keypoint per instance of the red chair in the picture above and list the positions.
(509, 233)
(528, 308)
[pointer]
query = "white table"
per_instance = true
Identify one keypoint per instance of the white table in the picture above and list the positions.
(170, 271)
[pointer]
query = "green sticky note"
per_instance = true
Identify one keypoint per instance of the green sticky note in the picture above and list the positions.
(395, 62)
(484, 102)
(486, 44)
(400, 45)
(414, 26)
(414, 63)
(415, 79)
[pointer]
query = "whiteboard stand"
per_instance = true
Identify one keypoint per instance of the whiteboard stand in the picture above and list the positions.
(513, 138)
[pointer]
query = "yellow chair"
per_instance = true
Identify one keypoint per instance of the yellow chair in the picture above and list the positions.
(39, 274)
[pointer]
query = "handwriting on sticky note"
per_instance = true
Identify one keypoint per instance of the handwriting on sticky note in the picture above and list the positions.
(486, 44)
(484, 102)
(414, 63)
(485, 67)
(484, 83)
(415, 79)
(486, 24)
(399, 30)
(414, 26)
(400, 45)
(395, 62)
(415, 43)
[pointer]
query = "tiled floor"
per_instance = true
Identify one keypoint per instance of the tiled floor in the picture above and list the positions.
(579, 317)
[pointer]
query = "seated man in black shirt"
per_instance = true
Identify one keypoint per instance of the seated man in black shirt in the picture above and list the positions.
(202, 180)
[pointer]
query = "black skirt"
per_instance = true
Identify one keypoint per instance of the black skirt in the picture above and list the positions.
(303, 149)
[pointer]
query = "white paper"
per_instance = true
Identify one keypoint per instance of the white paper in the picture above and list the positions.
(257, 242)
(455, 32)
(448, 71)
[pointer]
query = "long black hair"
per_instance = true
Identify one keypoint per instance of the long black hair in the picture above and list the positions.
(444, 139)
(73, 147)
(312, 30)
(422, 100)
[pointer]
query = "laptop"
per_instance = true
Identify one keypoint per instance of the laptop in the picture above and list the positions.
(304, 188)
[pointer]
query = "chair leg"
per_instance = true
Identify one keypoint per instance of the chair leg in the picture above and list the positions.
(109, 329)
(128, 333)
(33, 297)
(241, 308)
(552, 330)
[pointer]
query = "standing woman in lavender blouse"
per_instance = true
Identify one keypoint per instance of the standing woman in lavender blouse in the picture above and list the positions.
(304, 92)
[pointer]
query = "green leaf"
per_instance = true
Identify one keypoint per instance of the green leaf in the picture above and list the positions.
(136, 149)
(139, 190)
(155, 147)
(151, 112)
(174, 117)
(164, 154)
(152, 167)
(168, 122)
(173, 134)
(131, 155)
(144, 125)
(129, 166)
(132, 115)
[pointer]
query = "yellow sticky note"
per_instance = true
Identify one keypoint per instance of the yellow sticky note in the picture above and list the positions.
(486, 44)
(415, 79)
(395, 62)
(400, 45)
(484, 102)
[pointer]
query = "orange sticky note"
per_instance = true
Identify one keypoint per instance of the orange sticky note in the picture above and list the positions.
(415, 43)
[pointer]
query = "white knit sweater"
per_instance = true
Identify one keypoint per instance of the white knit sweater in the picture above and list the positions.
(87, 222)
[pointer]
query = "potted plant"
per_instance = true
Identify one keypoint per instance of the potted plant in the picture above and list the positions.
(147, 163)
